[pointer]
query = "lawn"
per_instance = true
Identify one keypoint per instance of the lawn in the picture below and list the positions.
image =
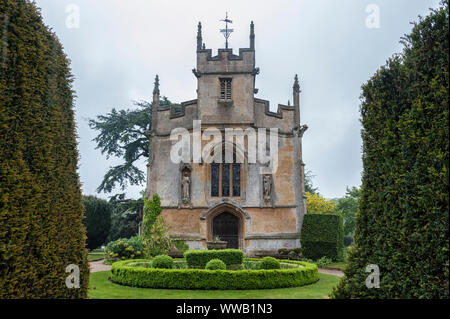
(96, 255)
(102, 288)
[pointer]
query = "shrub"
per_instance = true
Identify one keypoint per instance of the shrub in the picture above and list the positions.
(131, 248)
(156, 235)
(269, 263)
(321, 262)
(214, 264)
(97, 221)
(403, 220)
(199, 258)
(162, 261)
(143, 277)
(316, 204)
(322, 235)
(41, 213)
(181, 246)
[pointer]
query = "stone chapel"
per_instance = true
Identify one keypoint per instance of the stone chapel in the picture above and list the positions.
(257, 213)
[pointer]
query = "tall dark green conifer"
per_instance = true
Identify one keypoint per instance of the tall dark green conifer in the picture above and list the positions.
(403, 220)
(41, 230)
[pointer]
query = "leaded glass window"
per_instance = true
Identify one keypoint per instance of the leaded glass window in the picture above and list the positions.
(226, 178)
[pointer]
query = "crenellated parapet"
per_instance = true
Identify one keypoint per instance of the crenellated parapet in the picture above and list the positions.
(225, 62)
(169, 118)
(283, 119)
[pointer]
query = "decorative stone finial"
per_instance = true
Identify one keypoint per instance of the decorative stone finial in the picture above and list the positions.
(252, 36)
(199, 36)
(156, 89)
(296, 85)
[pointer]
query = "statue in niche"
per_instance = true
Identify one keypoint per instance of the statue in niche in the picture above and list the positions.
(267, 187)
(186, 187)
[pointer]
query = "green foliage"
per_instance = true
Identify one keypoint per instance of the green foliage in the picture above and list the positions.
(181, 246)
(156, 235)
(403, 220)
(125, 248)
(124, 224)
(348, 207)
(97, 220)
(163, 262)
(159, 241)
(321, 262)
(126, 217)
(199, 258)
(309, 187)
(124, 134)
(144, 277)
(269, 263)
(152, 209)
(215, 264)
(316, 204)
(322, 235)
(41, 214)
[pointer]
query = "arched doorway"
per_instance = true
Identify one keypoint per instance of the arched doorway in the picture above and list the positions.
(226, 226)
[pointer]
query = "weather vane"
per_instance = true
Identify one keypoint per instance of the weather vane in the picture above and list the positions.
(226, 32)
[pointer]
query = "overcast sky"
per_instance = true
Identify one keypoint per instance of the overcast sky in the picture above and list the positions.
(334, 46)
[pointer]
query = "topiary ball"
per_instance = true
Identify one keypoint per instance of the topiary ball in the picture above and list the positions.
(162, 261)
(269, 263)
(215, 264)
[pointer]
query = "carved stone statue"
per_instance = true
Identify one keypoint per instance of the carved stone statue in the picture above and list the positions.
(267, 187)
(185, 188)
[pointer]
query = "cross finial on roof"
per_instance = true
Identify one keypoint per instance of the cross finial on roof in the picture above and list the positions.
(226, 32)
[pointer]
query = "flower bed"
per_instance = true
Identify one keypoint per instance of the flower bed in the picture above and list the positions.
(137, 273)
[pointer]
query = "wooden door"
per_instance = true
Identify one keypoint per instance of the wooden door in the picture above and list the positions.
(226, 226)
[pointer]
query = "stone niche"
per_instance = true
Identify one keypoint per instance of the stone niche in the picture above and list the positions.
(185, 185)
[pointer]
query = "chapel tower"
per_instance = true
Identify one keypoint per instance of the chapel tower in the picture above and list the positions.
(253, 211)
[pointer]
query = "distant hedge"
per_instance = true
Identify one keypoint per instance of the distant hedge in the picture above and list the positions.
(124, 273)
(41, 230)
(322, 235)
(403, 220)
(199, 258)
(98, 220)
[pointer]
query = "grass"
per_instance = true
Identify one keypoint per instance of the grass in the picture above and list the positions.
(94, 256)
(102, 288)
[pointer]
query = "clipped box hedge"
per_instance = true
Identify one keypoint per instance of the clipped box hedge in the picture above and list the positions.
(199, 258)
(322, 235)
(123, 273)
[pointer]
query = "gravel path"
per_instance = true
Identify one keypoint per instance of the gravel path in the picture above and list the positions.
(334, 272)
(98, 266)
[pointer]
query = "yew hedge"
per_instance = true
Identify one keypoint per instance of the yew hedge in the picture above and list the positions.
(403, 220)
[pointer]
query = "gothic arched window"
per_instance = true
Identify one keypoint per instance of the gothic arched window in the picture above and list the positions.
(226, 178)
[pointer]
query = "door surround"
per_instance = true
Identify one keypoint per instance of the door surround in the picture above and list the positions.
(229, 208)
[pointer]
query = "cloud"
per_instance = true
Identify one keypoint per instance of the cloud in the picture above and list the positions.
(121, 45)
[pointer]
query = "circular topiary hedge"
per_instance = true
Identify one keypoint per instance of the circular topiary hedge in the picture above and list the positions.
(162, 262)
(215, 264)
(130, 273)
